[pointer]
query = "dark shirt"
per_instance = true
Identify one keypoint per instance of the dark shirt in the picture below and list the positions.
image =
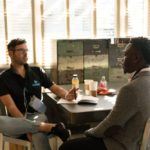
(22, 89)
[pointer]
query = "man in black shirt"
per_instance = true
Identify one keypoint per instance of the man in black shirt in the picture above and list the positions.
(21, 83)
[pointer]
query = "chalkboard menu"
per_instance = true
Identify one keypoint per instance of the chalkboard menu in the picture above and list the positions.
(90, 59)
(70, 60)
(115, 58)
(96, 58)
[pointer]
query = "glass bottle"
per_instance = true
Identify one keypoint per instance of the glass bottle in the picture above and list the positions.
(103, 83)
(75, 81)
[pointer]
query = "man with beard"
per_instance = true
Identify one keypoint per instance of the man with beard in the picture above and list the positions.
(123, 128)
(20, 92)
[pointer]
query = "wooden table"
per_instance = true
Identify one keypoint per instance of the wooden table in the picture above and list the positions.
(79, 114)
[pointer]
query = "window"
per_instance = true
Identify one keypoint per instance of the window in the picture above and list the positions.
(54, 18)
(148, 18)
(2, 36)
(43, 22)
(136, 17)
(105, 18)
(80, 13)
(19, 22)
(133, 18)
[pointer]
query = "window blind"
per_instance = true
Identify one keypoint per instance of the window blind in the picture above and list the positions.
(135, 12)
(54, 18)
(19, 21)
(3, 53)
(65, 19)
(148, 18)
(81, 18)
(105, 18)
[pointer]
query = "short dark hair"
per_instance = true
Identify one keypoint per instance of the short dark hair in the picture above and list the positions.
(13, 43)
(143, 45)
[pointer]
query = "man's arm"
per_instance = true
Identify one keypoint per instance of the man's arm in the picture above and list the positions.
(61, 92)
(124, 109)
(56, 89)
(10, 105)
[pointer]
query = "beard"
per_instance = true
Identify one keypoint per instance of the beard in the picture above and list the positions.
(21, 61)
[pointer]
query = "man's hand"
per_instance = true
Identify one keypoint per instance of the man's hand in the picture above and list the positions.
(29, 136)
(72, 94)
(114, 130)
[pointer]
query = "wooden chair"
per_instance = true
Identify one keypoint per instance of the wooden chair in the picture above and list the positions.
(9, 143)
(1, 141)
(6, 143)
(145, 145)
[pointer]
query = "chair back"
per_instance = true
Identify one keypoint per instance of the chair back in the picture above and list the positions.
(3, 110)
(145, 145)
(1, 141)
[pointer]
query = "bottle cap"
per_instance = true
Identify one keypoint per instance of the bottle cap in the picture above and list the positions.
(103, 77)
(75, 75)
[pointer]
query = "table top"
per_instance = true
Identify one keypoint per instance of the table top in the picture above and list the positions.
(104, 103)
(75, 113)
